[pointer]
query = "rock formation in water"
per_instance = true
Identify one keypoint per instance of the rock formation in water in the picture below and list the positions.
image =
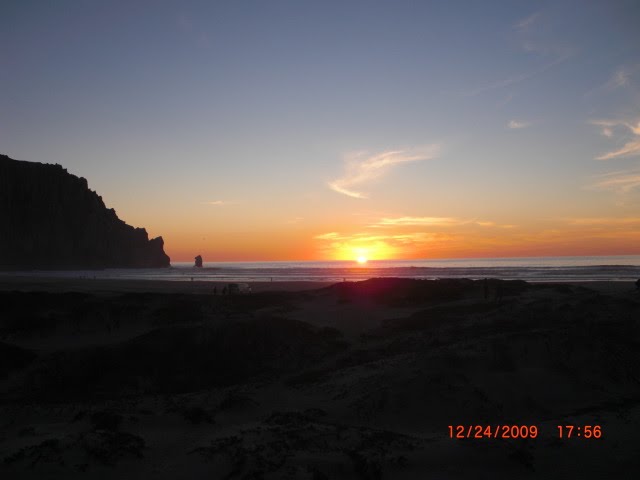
(198, 261)
(50, 219)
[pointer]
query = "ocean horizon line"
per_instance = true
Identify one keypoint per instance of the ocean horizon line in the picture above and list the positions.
(554, 258)
(536, 269)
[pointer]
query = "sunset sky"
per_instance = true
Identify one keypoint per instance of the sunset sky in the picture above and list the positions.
(309, 130)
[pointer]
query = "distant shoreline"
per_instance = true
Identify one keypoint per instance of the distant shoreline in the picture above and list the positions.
(540, 269)
(100, 285)
(153, 286)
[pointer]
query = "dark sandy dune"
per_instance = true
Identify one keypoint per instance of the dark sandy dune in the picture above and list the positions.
(355, 380)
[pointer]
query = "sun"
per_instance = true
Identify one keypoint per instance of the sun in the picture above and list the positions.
(361, 259)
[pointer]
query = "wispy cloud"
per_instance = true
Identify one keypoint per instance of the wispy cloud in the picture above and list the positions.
(621, 182)
(620, 78)
(408, 236)
(492, 224)
(328, 236)
(362, 168)
(434, 222)
(369, 238)
(505, 100)
(604, 221)
(606, 127)
(633, 126)
(416, 221)
(379, 245)
(218, 203)
(630, 148)
(515, 124)
(532, 39)
(526, 23)
(514, 79)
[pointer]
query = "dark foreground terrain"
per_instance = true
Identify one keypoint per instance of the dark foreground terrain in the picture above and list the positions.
(356, 380)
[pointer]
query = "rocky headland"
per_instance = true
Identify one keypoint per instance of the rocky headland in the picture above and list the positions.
(52, 220)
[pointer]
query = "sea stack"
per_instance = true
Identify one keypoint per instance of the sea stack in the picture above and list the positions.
(198, 261)
(51, 219)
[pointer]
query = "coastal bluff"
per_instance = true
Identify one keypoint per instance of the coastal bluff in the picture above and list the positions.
(50, 219)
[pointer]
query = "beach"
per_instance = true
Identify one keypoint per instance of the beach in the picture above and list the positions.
(54, 284)
(272, 240)
(113, 378)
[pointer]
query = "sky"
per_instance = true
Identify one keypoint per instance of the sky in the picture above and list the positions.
(312, 130)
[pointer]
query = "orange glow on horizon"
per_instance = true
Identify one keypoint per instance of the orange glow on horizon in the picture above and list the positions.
(404, 243)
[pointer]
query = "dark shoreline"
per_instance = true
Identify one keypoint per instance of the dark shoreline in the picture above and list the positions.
(54, 284)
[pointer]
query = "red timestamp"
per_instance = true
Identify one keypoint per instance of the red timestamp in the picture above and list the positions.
(579, 431)
(493, 431)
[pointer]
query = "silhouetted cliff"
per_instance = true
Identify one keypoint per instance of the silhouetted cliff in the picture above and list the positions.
(50, 219)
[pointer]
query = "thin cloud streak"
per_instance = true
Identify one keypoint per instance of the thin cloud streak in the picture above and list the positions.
(622, 182)
(605, 221)
(516, 125)
(507, 99)
(631, 148)
(517, 78)
(328, 236)
(530, 43)
(434, 222)
(363, 168)
(607, 127)
(492, 224)
(633, 127)
(336, 241)
(621, 77)
(628, 150)
(417, 221)
(527, 22)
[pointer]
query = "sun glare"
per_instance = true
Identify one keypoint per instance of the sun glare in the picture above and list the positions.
(362, 254)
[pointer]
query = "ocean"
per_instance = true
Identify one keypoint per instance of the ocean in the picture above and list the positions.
(537, 269)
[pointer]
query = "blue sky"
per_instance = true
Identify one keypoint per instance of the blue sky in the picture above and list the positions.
(221, 121)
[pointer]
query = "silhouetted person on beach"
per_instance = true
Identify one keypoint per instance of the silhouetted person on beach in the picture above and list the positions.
(638, 284)
(224, 290)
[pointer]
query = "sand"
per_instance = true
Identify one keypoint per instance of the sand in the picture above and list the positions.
(27, 283)
(116, 379)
